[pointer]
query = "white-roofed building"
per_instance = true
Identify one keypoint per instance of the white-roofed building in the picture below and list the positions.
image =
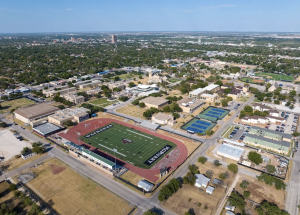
(202, 181)
(230, 151)
(210, 88)
(145, 185)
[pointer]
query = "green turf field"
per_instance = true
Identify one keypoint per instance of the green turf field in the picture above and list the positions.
(276, 77)
(136, 149)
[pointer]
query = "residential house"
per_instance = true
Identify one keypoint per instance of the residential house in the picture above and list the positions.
(202, 181)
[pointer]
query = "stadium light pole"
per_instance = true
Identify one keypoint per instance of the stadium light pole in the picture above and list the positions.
(78, 136)
(115, 157)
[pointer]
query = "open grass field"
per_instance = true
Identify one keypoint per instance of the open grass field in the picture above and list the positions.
(102, 102)
(73, 194)
(14, 104)
(15, 163)
(132, 110)
(130, 145)
(5, 192)
(173, 80)
(273, 76)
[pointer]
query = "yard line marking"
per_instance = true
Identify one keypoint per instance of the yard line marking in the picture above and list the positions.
(139, 134)
(111, 149)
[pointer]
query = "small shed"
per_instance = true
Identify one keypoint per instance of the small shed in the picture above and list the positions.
(28, 154)
(145, 185)
(230, 213)
(210, 189)
(229, 207)
(163, 171)
(217, 182)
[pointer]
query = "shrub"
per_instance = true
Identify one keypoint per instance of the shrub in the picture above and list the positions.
(202, 159)
(244, 184)
(246, 194)
(217, 163)
(199, 204)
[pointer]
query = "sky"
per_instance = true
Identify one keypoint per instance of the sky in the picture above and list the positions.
(35, 16)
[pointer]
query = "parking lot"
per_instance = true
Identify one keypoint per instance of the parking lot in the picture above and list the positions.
(10, 145)
(234, 105)
(289, 127)
(239, 133)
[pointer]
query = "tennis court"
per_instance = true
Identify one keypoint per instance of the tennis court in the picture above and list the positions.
(130, 145)
(213, 114)
(198, 126)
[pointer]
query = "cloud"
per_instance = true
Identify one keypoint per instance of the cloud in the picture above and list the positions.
(69, 8)
(218, 6)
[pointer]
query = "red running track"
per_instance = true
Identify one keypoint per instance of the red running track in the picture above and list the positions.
(150, 174)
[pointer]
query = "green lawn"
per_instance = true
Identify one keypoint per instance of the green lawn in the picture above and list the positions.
(276, 77)
(102, 102)
(136, 149)
(128, 76)
(15, 104)
(173, 80)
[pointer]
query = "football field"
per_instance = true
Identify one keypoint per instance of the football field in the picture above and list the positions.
(130, 145)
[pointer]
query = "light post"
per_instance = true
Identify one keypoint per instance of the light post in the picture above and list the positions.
(78, 136)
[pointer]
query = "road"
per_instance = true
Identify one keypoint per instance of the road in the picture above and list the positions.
(293, 187)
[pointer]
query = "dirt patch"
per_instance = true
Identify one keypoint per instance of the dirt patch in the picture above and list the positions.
(259, 191)
(259, 81)
(55, 169)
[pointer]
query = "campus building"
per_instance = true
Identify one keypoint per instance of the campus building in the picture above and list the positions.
(35, 114)
(189, 105)
(209, 97)
(154, 77)
(74, 98)
(212, 88)
(267, 143)
(76, 115)
(156, 102)
(64, 91)
(163, 119)
(269, 139)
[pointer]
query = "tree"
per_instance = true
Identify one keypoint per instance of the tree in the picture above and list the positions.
(3, 124)
(233, 168)
(271, 169)
(189, 178)
(12, 187)
(202, 160)
(217, 163)
(69, 123)
(123, 98)
(244, 184)
(224, 175)
(193, 169)
(209, 132)
(224, 103)
(246, 194)
(277, 102)
(131, 84)
(255, 157)
(25, 149)
(117, 78)
(220, 83)
(61, 107)
(149, 212)
(117, 89)
(142, 105)
(176, 115)
(248, 109)
(167, 109)
(227, 90)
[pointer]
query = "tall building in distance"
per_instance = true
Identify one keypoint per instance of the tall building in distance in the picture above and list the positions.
(114, 38)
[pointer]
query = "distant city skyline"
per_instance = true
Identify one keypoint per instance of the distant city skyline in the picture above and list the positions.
(35, 16)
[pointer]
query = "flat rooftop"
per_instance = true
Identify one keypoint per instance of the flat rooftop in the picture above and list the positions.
(69, 113)
(281, 143)
(36, 110)
(154, 100)
(231, 150)
(47, 128)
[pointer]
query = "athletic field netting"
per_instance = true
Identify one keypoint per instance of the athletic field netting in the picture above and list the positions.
(130, 145)
(213, 114)
(198, 126)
